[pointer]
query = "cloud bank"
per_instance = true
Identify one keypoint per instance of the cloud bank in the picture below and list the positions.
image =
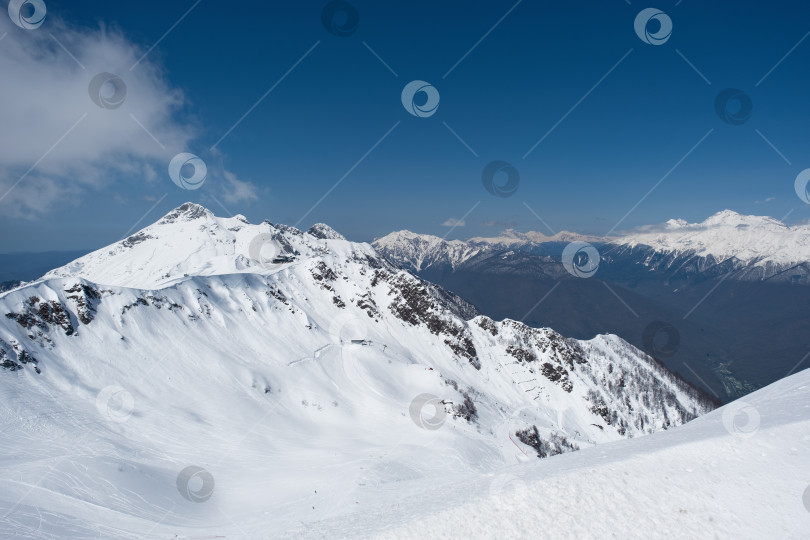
(57, 143)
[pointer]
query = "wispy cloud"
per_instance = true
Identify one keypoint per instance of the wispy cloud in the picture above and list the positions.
(453, 222)
(499, 224)
(670, 226)
(237, 191)
(766, 200)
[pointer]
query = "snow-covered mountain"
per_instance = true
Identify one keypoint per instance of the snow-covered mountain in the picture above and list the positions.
(755, 240)
(301, 374)
(191, 241)
(421, 251)
(762, 245)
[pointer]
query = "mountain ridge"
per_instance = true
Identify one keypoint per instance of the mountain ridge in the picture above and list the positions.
(726, 235)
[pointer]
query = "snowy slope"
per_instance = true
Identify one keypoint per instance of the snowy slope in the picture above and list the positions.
(738, 472)
(304, 373)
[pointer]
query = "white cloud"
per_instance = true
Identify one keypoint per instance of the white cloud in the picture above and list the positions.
(45, 94)
(498, 224)
(453, 222)
(236, 191)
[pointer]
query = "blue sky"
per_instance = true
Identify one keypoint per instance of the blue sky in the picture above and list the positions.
(529, 74)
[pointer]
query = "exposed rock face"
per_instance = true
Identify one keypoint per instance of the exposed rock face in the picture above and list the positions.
(324, 232)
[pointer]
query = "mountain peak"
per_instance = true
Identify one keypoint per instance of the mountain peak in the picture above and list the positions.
(187, 211)
(674, 224)
(190, 241)
(730, 218)
(728, 234)
(727, 213)
(725, 217)
(325, 232)
(406, 235)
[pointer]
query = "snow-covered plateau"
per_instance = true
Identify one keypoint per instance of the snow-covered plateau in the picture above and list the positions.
(210, 378)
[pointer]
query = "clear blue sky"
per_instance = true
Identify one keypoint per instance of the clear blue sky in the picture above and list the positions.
(503, 97)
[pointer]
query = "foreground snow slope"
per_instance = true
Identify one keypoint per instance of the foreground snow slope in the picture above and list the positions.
(739, 472)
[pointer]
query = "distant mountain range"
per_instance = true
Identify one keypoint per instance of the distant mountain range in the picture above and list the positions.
(732, 290)
(753, 242)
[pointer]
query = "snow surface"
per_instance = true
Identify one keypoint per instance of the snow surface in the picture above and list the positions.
(738, 472)
(292, 385)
